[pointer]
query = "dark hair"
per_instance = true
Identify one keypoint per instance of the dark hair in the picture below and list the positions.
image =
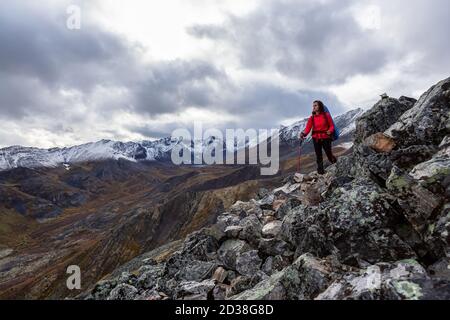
(321, 105)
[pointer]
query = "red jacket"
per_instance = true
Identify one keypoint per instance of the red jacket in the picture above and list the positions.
(320, 124)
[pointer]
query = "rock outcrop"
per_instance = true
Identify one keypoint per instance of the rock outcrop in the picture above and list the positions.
(376, 226)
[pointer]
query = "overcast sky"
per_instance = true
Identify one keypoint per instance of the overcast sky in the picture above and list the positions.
(138, 69)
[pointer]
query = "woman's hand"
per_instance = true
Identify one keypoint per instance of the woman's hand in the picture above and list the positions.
(329, 133)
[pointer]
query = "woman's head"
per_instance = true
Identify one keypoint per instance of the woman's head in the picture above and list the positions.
(318, 106)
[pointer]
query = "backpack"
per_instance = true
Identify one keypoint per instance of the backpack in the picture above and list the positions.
(337, 132)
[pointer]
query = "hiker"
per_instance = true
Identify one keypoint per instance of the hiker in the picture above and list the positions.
(323, 129)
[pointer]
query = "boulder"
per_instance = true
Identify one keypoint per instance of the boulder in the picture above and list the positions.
(380, 142)
(219, 292)
(242, 283)
(380, 117)
(226, 220)
(355, 221)
(230, 250)
(417, 202)
(427, 123)
(220, 275)
(299, 178)
(287, 189)
(251, 229)
(274, 264)
(248, 263)
(272, 229)
(286, 206)
(102, 290)
(123, 292)
(304, 279)
(275, 247)
(149, 276)
(244, 209)
(266, 202)
(192, 290)
(233, 232)
(403, 280)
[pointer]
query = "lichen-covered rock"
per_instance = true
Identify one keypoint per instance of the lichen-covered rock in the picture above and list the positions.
(274, 264)
(275, 247)
(251, 229)
(123, 292)
(403, 280)
(102, 290)
(242, 283)
(441, 269)
(230, 250)
(428, 121)
(385, 113)
(286, 206)
(226, 220)
(272, 229)
(248, 263)
(149, 276)
(192, 290)
(244, 209)
(232, 232)
(354, 222)
(304, 279)
(266, 202)
(417, 202)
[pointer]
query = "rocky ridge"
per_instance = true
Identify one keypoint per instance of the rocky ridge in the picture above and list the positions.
(376, 226)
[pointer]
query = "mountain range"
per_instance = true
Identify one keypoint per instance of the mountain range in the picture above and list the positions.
(160, 150)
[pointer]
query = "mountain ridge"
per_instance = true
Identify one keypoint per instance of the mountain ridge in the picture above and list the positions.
(158, 150)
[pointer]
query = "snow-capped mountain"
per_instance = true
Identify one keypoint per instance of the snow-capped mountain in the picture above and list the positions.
(160, 150)
(345, 122)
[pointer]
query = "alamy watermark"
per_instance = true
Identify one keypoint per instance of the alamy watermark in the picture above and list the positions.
(238, 146)
(74, 280)
(73, 21)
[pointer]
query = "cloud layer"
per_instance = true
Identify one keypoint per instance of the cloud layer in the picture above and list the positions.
(257, 68)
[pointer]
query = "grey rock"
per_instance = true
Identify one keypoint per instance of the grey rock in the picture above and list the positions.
(275, 247)
(192, 290)
(303, 280)
(272, 229)
(380, 117)
(248, 263)
(230, 250)
(233, 231)
(403, 280)
(123, 292)
(274, 264)
(251, 229)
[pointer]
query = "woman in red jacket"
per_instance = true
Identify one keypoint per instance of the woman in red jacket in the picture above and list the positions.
(322, 131)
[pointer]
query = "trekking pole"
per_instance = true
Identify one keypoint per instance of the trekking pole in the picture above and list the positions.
(299, 155)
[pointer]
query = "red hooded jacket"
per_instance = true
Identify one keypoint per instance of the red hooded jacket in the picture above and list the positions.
(320, 124)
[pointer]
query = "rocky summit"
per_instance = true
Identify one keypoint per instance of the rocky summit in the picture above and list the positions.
(375, 226)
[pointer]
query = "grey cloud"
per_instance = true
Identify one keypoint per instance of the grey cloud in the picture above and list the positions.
(207, 31)
(40, 55)
(318, 41)
(172, 86)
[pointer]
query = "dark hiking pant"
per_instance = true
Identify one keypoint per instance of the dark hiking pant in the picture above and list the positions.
(324, 144)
